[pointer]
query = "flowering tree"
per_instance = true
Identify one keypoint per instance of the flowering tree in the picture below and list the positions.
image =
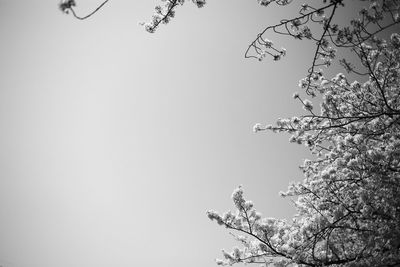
(348, 205)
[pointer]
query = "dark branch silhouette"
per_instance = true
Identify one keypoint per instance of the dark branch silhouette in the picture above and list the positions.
(66, 6)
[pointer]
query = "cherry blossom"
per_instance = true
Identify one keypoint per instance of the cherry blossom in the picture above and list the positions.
(348, 205)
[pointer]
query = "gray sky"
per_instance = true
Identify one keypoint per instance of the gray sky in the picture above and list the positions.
(114, 142)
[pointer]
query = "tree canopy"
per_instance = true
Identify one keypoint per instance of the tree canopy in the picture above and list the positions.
(348, 205)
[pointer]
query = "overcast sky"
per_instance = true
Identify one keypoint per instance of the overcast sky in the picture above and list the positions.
(115, 142)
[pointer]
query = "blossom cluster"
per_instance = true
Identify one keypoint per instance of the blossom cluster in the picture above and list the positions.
(66, 5)
(165, 12)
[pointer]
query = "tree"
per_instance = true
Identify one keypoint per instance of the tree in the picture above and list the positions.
(348, 205)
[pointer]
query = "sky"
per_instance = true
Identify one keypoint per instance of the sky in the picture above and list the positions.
(115, 142)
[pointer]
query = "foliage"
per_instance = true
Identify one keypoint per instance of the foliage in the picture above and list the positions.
(163, 13)
(348, 205)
